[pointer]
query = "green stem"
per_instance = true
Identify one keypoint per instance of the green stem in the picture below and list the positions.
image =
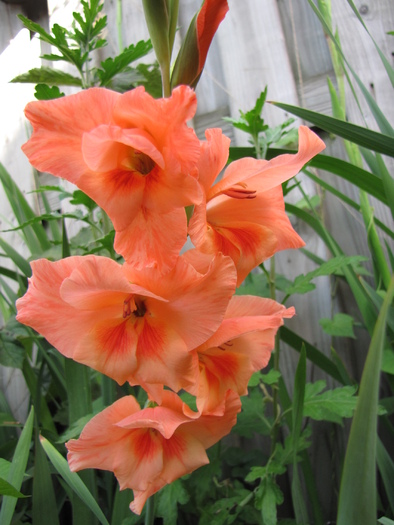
(166, 79)
(150, 511)
(276, 355)
(119, 16)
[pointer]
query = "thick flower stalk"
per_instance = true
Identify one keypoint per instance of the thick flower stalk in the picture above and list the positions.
(133, 155)
(146, 449)
(243, 215)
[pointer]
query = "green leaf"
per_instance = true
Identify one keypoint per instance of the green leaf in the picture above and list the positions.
(357, 497)
(12, 353)
(378, 142)
(73, 480)
(251, 420)
(268, 506)
(302, 283)
(331, 405)
(313, 354)
(113, 66)
(6, 489)
(17, 470)
(36, 237)
(388, 361)
(381, 120)
(385, 521)
(297, 417)
(44, 501)
(347, 199)
(46, 75)
(340, 326)
(386, 63)
(16, 258)
(44, 92)
(361, 178)
(386, 468)
(170, 497)
(361, 297)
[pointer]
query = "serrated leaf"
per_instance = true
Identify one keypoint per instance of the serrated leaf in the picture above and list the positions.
(272, 468)
(302, 283)
(12, 352)
(340, 326)
(331, 405)
(251, 419)
(112, 66)
(170, 497)
(44, 92)
(268, 506)
(46, 75)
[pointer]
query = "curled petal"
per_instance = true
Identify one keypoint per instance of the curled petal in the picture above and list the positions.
(263, 175)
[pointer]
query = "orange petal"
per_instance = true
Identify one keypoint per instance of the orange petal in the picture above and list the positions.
(249, 231)
(241, 346)
(165, 120)
(153, 239)
(262, 175)
(197, 302)
(211, 14)
(58, 126)
(213, 157)
(43, 309)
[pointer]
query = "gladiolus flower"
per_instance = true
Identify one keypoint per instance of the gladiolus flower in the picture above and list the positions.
(132, 155)
(243, 215)
(130, 325)
(241, 346)
(193, 53)
(147, 449)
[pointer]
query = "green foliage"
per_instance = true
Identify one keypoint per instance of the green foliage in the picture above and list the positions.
(340, 326)
(113, 66)
(169, 498)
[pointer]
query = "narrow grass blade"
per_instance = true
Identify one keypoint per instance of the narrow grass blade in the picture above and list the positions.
(73, 480)
(297, 415)
(44, 501)
(357, 497)
(42, 411)
(382, 143)
(386, 468)
(388, 183)
(17, 470)
(347, 200)
(363, 179)
(16, 258)
(35, 236)
(386, 63)
(366, 308)
(381, 120)
(313, 354)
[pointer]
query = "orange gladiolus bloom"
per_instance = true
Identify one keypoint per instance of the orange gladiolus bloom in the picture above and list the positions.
(147, 449)
(132, 155)
(241, 346)
(243, 215)
(131, 325)
(208, 20)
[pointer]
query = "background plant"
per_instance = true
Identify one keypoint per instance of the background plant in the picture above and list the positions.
(236, 487)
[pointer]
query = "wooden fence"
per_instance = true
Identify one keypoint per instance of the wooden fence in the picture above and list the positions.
(278, 43)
